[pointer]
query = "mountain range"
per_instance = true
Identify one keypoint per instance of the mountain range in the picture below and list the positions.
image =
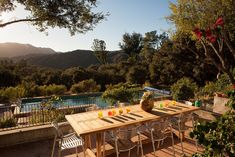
(47, 57)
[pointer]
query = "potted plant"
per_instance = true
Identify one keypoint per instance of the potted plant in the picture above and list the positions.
(146, 101)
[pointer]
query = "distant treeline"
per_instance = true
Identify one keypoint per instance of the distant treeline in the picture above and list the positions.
(154, 59)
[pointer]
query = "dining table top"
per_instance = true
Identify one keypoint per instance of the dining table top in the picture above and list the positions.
(107, 119)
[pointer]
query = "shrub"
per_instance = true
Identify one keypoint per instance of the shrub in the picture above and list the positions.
(221, 85)
(218, 136)
(12, 93)
(55, 89)
(85, 86)
(6, 123)
(51, 90)
(123, 92)
(183, 89)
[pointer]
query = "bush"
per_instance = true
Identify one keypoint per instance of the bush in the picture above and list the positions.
(12, 93)
(123, 92)
(6, 123)
(55, 89)
(183, 89)
(221, 85)
(218, 136)
(85, 86)
(51, 90)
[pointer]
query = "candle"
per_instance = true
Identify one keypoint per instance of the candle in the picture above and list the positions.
(100, 114)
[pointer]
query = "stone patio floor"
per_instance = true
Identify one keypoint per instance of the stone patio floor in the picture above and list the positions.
(43, 149)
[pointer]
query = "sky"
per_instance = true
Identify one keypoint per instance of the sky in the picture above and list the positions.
(126, 16)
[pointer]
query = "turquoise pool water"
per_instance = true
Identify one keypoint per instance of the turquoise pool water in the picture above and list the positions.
(30, 104)
(76, 100)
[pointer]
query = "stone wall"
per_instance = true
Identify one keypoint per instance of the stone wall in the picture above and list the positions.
(30, 134)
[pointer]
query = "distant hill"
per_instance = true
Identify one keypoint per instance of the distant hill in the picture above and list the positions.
(83, 58)
(15, 50)
(47, 57)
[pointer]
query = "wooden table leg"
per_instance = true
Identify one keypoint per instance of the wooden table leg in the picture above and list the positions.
(87, 141)
(183, 136)
(98, 144)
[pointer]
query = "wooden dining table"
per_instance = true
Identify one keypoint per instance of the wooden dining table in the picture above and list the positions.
(88, 123)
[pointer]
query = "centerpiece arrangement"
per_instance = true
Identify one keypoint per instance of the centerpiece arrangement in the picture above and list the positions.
(147, 102)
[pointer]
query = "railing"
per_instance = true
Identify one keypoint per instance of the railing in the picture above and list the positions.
(11, 117)
(32, 114)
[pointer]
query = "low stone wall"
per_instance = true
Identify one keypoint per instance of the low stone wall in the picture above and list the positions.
(30, 134)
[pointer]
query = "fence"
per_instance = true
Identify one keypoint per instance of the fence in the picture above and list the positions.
(32, 114)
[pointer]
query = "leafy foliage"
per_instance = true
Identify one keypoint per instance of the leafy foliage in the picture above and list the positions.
(101, 54)
(218, 136)
(85, 86)
(220, 85)
(74, 15)
(137, 74)
(183, 89)
(123, 92)
(48, 111)
(31, 90)
(131, 44)
(215, 21)
(9, 122)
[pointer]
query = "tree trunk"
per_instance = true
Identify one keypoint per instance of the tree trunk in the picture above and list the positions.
(221, 67)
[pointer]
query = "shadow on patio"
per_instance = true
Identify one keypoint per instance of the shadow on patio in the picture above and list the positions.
(43, 149)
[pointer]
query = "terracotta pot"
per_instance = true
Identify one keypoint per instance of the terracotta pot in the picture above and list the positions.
(146, 105)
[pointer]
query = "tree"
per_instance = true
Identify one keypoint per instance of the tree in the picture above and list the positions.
(131, 44)
(214, 23)
(123, 92)
(137, 74)
(151, 43)
(85, 86)
(101, 54)
(75, 15)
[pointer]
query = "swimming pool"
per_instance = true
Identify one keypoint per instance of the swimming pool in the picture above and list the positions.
(30, 104)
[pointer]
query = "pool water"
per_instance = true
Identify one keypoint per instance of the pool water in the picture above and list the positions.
(76, 100)
(30, 104)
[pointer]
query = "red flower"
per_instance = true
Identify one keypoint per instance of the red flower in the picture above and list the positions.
(219, 22)
(212, 38)
(198, 33)
(208, 32)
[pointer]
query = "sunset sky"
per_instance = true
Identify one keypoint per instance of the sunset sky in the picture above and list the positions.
(129, 16)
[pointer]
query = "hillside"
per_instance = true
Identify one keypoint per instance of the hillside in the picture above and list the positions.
(15, 50)
(83, 58)
(47, 57)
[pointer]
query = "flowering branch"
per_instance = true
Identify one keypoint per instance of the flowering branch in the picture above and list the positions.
(210, 36)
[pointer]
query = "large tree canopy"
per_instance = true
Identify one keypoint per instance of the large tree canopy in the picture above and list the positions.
(212, 18)
(75, 15)
(131, 44)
